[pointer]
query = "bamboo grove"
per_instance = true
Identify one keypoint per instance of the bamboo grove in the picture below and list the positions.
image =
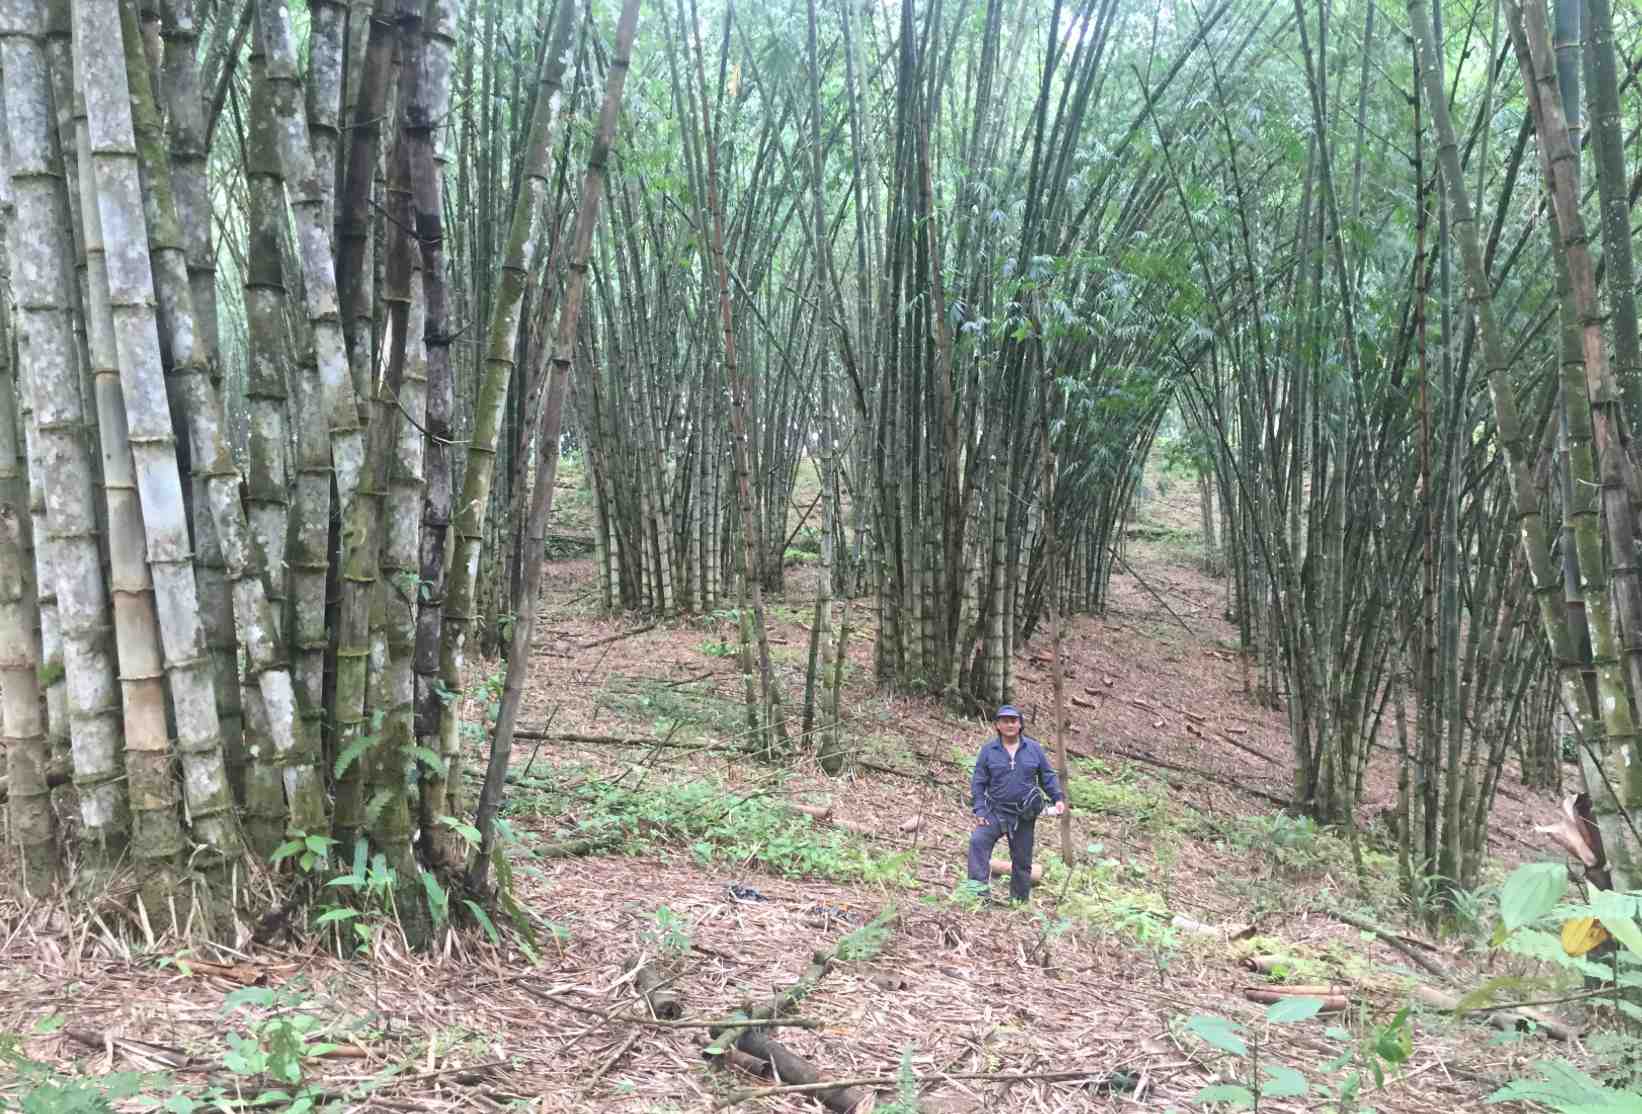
(304, 303)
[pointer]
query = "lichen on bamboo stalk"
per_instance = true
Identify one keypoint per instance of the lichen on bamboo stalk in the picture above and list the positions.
(101, 66)
(423, 111)
(48, 356)
(310, 198)
(22, 725)
(156, 838)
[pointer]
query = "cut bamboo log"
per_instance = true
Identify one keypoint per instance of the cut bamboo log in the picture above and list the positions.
(781, 1004)
(1001, 868)
(815, 812)
(570, 848)
(1332, 1002)
(912, 823)
(663, 1002)
(1266, 964)
(789, 1067)
(1510, 1019)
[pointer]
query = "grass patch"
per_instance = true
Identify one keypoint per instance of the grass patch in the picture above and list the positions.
(714, 824)
(677, 710)
(1098, 788)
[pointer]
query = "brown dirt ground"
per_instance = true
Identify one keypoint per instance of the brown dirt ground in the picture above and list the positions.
(477, 1027)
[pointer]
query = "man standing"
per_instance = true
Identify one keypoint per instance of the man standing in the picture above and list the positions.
(1012, 779)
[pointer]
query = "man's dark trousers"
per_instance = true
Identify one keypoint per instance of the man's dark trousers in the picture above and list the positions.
(983, 839)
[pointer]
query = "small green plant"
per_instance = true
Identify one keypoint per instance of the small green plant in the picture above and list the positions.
(1388, 1044)
(719, 648)
(906, 1089)
(667, 934)
(45, 1090)
(372, 883)
(311, 852)
(1534, 922)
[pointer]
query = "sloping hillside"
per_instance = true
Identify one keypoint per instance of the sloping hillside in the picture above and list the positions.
(1121, 985)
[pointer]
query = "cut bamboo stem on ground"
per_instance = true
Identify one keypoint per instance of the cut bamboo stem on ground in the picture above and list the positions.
(663, 1002)
(1509, 1020)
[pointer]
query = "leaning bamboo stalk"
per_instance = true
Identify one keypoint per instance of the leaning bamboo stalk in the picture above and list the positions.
(101, 68)
(62, 464)
(523, 248)
(309, 208)
(1612, 780)
(541, 498)
(22, 726)
(1479, 294)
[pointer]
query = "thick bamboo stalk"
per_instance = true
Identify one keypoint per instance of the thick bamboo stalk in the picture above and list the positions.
(30, 821)
(402, 407)
(268, 474)
(156, 837)
(59, 457)
(102, 68)
(293, 746)
(1613, 779)
(425, 107)
(310, 197)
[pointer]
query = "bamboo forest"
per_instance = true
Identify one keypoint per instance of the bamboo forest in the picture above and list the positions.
(535, 538)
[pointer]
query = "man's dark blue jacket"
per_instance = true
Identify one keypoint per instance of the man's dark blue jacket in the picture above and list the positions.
(1003, 789)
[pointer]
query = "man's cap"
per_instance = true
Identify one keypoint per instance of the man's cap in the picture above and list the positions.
(1009, 710)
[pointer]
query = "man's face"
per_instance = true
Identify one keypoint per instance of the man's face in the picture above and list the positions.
(1009, 728)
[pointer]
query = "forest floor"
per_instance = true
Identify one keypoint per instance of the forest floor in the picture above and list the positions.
(1115, 973)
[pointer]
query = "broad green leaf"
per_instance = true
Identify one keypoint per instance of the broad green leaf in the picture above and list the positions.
(1289, 1010)
(259, 996)
(1231, 1093)
(1219, 1032)
(1618, 914)
(484, 921)
(1283, 1082)
(1532, 890)
(1567, 1090)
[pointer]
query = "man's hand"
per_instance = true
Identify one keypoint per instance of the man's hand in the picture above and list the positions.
(1057, 808)
(981, 821)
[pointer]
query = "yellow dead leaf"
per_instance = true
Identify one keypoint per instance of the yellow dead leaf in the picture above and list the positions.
(1582, 934)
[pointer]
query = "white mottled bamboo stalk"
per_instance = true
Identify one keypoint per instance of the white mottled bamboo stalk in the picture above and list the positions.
(101, 68)
(307, 554)
(293, 749)
(48, 357)
(22, 724)
(156, 835)
(268, 503)
(310, 204)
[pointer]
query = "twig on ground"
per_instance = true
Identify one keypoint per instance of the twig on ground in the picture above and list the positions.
(652, 1023)
(1393, 938)
(737, 1097)
(616, 637)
